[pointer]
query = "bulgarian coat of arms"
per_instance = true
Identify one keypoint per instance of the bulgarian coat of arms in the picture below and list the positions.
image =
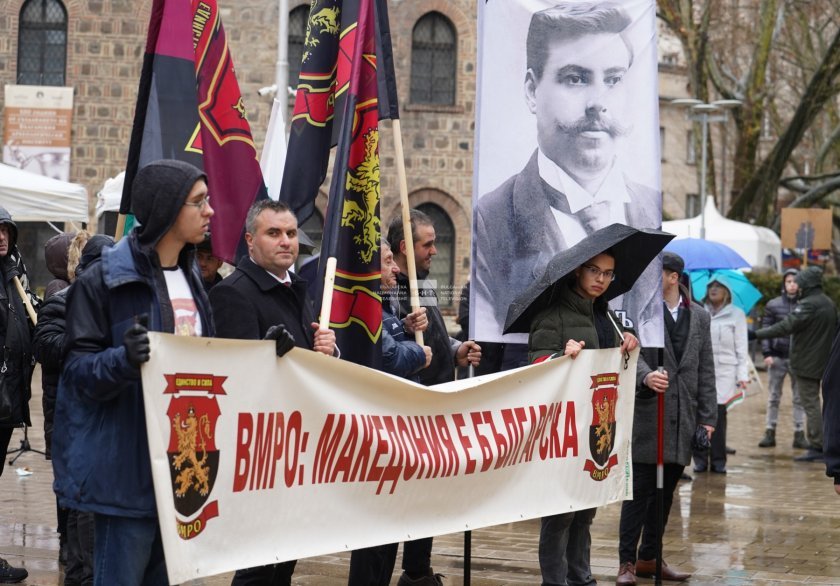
(193, 456)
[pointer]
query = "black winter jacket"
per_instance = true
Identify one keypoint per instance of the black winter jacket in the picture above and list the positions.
(250, 301)
(442, 368)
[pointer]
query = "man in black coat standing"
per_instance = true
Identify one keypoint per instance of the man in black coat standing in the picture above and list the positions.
(16, 335)
(261, 299)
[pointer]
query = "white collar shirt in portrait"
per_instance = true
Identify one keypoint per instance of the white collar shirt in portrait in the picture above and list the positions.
(613, 191)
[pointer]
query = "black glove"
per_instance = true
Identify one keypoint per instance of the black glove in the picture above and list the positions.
(751, 335)
(136, 342)
(283, 339)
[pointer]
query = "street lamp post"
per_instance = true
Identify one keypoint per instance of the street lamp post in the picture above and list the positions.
(704, 113)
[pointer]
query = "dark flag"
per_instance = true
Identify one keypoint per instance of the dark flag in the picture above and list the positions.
(323, 90)
(189, 107)
(352, 226)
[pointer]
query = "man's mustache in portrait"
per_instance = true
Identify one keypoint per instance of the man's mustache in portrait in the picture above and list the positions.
(596, 123)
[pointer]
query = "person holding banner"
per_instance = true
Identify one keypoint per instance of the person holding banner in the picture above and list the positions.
(263, 299)
(688, 381)
(577, 57)
(148, 281)
(16, 375)
(373, 566)
(577, 318)
(447, 353)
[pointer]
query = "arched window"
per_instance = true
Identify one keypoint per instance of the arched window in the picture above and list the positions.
(297, 35)
(42, 43)
(434, 45)
(443, 264)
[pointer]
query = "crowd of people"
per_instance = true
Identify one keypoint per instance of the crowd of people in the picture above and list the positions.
(92, 338)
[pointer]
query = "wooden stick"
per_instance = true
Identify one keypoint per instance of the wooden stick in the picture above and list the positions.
(118, 233)
(406, 218)
(25, 298)
(326, 299)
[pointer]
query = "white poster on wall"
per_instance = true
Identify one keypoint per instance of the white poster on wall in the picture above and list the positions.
(37, 126)
(567, 143)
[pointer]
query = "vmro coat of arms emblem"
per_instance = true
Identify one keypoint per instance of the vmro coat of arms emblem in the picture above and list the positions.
(602, 427)
(193, 456)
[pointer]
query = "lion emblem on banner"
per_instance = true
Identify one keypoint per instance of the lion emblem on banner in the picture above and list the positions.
(602, 427)
(194, 472)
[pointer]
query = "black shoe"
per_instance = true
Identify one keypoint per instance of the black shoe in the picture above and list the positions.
(811, 455)
(799, 441)
(10, 575)
(731, 451)
(699, 469)
(430, 579)
(718, 469)
(685, 476)
(769, 439)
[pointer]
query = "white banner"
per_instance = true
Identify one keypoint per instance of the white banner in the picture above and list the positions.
(258, 460)
(36, 134)
(567, 142)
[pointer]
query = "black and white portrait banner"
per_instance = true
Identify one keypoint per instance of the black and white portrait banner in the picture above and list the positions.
(567, 142)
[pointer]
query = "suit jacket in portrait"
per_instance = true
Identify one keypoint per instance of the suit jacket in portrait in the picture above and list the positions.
(515, 235)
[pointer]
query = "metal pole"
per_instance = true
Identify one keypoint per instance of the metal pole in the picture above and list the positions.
(281, 75)
(704, 119)
(660, 470)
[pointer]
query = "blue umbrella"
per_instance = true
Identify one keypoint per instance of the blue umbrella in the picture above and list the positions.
(705, 254)
(744, 293)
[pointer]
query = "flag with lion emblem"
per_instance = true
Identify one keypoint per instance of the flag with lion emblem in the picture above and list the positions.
(322, 91)
(352, 226)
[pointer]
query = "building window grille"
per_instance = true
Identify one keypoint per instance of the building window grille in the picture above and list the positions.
(42, 43)
(433, 60)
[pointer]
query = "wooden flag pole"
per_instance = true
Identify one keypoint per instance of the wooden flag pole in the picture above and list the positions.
(326, 299)
(25, 298)
(406, 218)
(118, 233)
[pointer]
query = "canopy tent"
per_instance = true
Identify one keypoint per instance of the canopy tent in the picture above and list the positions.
(760, 246)
(108, 198)
(29, 197)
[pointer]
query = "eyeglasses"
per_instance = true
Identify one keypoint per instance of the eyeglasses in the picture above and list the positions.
(198, 204)
(597, 273)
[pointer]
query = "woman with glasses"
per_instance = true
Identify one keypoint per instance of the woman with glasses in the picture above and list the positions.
(577, 318)
(729, 344)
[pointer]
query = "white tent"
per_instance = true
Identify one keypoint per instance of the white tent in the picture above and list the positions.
(109, 197)
(29, 197)
(759, 246)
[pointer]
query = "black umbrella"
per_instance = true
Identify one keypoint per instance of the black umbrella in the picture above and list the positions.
(634, 249)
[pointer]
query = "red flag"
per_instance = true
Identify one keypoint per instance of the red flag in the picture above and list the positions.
(322, 91)
(190, 108)
(352, 226)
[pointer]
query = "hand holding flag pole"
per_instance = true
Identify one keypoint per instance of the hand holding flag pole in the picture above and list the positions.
(406, 218)
(326, 299)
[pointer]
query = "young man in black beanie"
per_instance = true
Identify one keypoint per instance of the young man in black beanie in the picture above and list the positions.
(148, 281)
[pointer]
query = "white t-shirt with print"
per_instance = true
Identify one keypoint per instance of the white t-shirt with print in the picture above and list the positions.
(187, 318)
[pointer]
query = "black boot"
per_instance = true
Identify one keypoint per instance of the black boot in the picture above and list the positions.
(799, 441)
(769, 439)
(11, 575)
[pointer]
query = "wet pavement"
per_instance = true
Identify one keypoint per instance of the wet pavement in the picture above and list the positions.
(768, 521)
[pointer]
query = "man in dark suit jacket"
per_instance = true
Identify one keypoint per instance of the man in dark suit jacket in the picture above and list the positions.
(262, 293)
(577, 56)
(688, 381)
